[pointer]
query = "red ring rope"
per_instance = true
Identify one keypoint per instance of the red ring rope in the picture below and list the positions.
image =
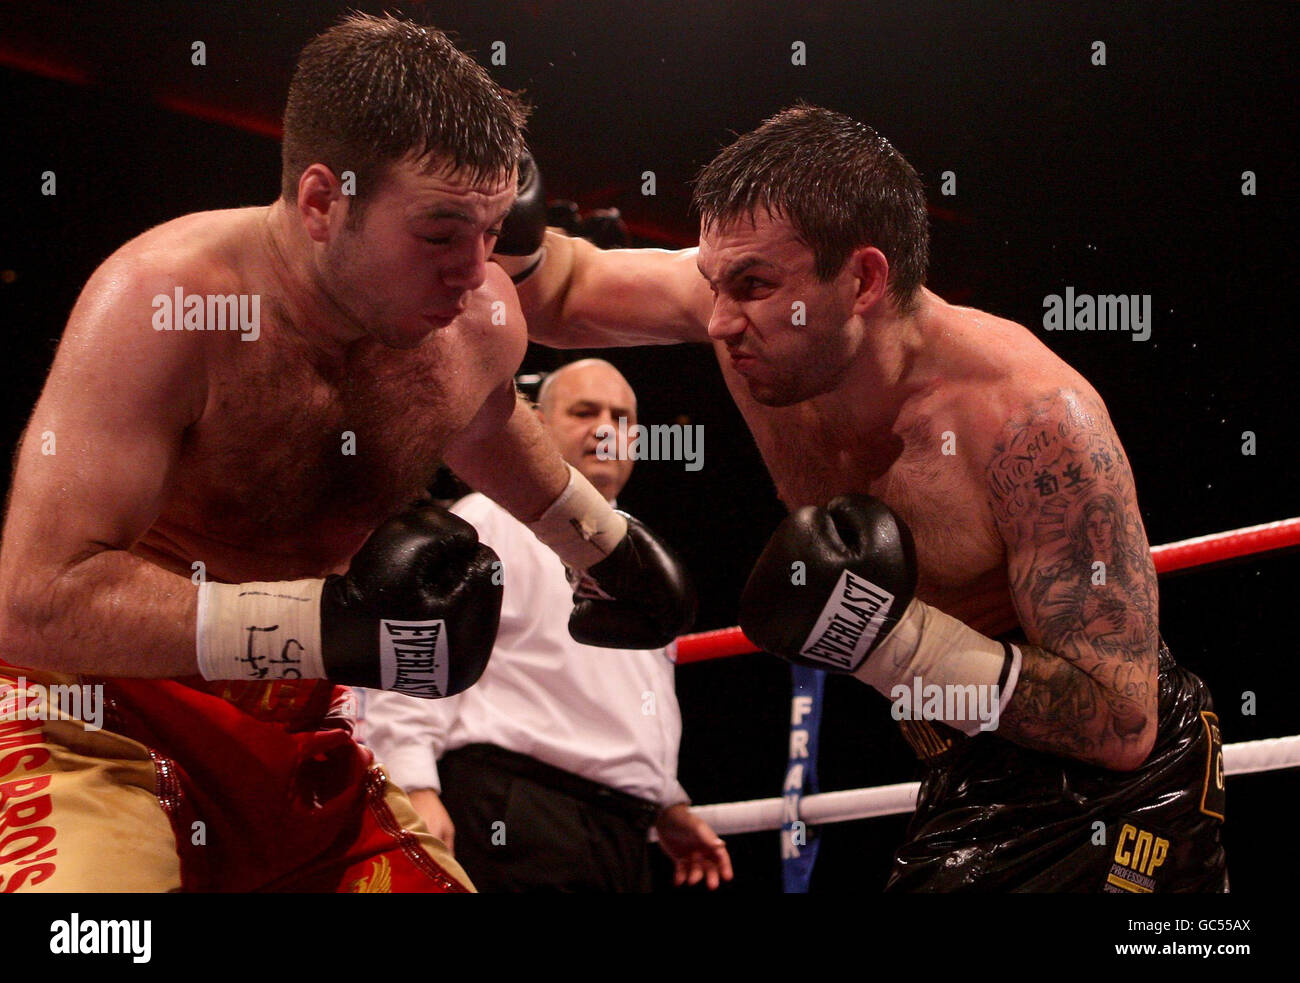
(1196, 552)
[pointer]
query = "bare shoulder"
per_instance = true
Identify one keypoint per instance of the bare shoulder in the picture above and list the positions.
(114, 328)
(200, 253)
(207, 249)
(1012, 382)
(493, 325)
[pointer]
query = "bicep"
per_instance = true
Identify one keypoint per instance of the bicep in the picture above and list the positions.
(1078, 561)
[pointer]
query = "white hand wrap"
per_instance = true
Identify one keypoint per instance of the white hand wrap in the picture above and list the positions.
(969, 672)
(260, 631)
(580, 527)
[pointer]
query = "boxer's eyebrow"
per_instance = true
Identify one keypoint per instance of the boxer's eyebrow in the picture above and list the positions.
(737, 268)
(435, 213)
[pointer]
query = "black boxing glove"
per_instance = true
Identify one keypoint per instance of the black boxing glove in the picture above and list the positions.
(638, 597)
(417, 613)
(831, 584)
(631, 590)
(605, 229)
(564, 214)
(519, 247)
(834, 590)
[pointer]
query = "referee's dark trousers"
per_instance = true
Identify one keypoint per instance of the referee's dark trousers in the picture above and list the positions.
(525, 826)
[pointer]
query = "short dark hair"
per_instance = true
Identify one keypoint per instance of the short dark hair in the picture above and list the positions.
(837, 181)
(372, 90)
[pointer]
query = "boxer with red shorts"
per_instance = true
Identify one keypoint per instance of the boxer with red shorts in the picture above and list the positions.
(210, 523)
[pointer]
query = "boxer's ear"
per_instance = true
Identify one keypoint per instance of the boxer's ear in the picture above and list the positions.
(870, 269)
(319, 191)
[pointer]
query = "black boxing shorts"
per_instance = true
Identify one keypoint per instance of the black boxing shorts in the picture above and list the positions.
(994, 816)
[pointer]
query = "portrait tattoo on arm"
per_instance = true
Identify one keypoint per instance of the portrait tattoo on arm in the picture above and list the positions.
(1082, 581)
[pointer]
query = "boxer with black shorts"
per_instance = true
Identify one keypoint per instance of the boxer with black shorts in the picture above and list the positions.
(986, 495)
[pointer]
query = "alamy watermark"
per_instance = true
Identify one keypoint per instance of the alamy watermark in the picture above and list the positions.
(34, 701)
(179, 311)
(77, 936)
(660, 442)
(952, 703)
(1098, 312)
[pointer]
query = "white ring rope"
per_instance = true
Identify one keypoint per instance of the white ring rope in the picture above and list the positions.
(1246, 758)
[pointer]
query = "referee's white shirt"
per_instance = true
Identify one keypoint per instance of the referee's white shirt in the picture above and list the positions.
(609, 715)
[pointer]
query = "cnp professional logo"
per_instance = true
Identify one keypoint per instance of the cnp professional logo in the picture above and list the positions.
(1139, 855)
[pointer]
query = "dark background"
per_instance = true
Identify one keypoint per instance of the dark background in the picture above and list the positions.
(1117, 179)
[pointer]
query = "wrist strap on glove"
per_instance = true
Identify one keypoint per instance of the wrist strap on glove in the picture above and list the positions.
(580, 527)
(929, 648)
(520, 268)
(260, 631)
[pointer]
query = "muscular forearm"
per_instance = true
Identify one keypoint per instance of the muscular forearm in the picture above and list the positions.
(111, 614)
(517, 466)
(1060, 708)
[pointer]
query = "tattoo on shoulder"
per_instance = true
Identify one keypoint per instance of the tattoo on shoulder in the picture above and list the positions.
(1061, 480)
(1062, 451)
